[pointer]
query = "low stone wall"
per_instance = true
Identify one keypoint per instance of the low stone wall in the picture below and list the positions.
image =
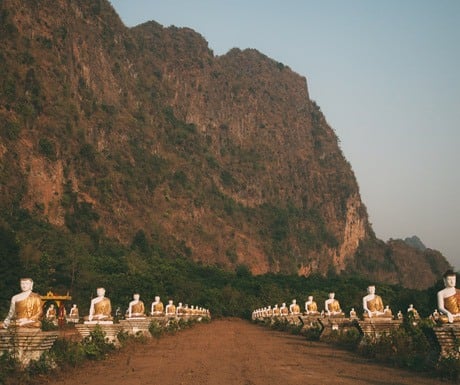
(26, 344)
(448, 337)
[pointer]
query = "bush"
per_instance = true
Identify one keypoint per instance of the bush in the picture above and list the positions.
(449, 368)
(155, 329)
(68, 353)
(96, 346)
(313, 333)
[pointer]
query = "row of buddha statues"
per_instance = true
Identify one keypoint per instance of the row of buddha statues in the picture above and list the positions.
(26, 309)
(448, 310)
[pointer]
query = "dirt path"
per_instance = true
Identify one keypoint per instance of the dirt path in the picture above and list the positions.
(233, 351)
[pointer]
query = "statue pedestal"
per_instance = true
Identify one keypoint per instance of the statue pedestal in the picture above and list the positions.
(373, 328)
(293, 319)
(448, 337)
(108, 327)
(311, 321)
(136, 325)
(26, 344)
(338, 323)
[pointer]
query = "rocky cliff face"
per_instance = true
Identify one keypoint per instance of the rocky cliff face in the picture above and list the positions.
(226, 159)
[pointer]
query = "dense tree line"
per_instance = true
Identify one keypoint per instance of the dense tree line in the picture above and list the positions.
(62, 261)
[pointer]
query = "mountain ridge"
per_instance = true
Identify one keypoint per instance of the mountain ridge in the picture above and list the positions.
(143, 132)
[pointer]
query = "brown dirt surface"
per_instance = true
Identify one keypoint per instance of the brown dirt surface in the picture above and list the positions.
(233, 351)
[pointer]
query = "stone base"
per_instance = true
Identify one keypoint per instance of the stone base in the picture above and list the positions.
(111, 330)
(26, 344)
(373, 328)
(335, 324)
(448, 337)
(311, 321)
(135, 326)
(98, 322)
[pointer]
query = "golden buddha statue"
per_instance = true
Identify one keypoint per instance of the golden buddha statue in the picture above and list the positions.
(170, 309)
(332, 306)
(294, 308)
(136, 307)
(157, 307)
(51, 313)
(26, 307)
(101, 308)
(449, 299)
(373, 305)
(283, 309)
(310, 306)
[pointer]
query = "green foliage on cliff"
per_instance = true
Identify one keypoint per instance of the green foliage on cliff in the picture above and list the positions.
(79, 264)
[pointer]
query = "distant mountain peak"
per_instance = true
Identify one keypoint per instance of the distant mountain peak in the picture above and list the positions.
(415, 242)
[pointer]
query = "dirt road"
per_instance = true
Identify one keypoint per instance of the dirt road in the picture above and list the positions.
(233, 351)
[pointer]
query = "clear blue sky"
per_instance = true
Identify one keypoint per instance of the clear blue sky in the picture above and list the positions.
(386, 75)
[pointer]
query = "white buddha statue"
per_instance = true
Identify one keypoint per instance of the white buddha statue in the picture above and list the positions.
(136, 308)
(283, 309)
(269, 311)
(294, 308)
(332, 306)
(74, 314)
(449, 299)
(170, 309)
(311, 308)
(180, 310)
(373, 304)
(100, 308)
(26, 307)
(51, 313)
(157, 307)
(276, 311)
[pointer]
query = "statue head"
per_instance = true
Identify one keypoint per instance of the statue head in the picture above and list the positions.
(371, 289)
(450, 278)
(26, 284)
(157, 298)
(136, 297)
(100, 291)
(170, 301)
(331, 295)
(310, 298)
(294, 301)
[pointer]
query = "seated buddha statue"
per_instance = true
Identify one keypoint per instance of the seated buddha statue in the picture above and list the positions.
(332, 306)
(51, 313)
(449, 299)
(180, 310)
(100, 308)
(276, 311)
(294, 308)
(373, 304)
(136, 307)
(311, 308)
(283, 309)
(157, 308)
(170, 309)
(26, 307)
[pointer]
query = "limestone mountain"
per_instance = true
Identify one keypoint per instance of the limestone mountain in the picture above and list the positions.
(144, 136)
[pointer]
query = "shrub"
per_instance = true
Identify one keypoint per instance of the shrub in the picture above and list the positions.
(47, 148)
(66, 352)
(155, 329)
(313, 333)
(96, 346)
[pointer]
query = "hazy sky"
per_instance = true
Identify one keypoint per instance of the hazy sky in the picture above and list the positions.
(386, 74)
